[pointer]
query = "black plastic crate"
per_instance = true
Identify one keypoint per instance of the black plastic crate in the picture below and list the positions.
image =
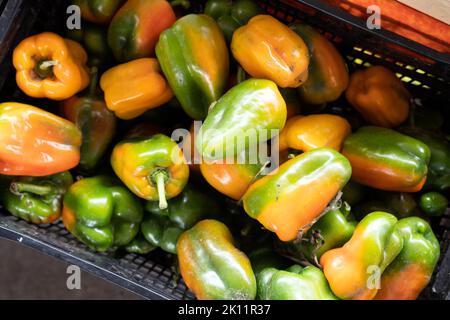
(154, 276)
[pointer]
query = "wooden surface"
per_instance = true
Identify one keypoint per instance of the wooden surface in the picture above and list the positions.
(438, 9)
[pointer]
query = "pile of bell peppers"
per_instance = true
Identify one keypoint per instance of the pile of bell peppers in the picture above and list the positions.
(336, 211)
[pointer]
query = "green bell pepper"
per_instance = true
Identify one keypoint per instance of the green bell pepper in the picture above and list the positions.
(265, 257)
(385, 159)
(411, 270)
(230, 15)
(353, 271)
(194, 58)
(439, 167)
(252, 109)
(296, 283)
(331, 231)
(163, 227)
(139, 245)
(98, 11)
(433, 203)
(35, 199)
(102, 213)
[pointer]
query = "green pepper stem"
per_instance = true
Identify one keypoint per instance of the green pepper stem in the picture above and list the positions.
(44, 68)
(184, 3)
(94, 81)
(19, 187)
(159, 178)
(241, 75)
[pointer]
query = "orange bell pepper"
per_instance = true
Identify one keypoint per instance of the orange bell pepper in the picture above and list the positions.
(379, 96)
(314, 131)
(268, 49)
(135, 87)
(34, 142)
(49, 66)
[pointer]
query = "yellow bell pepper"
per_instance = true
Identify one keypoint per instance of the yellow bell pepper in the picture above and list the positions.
(49, 66)
(379, 96)
(268, 49)
(306, 133)
(135, 87)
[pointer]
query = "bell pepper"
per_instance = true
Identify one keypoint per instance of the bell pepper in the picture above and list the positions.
(411, 270)
(96, 123)
(34, 142)
(268, 49)
(251, 112)
(139, 245)
(93, 39)
(439, 166)
(128, 91)
(194, 57)
(153, 168)
(211, 266)
(401, 204)
(162, 228)
(295, 283)
(136, 27)
(36, 199)
(49, 66)
(265, 257)
(101, 213)
(230, 15)
(293, 197)
(293, 106)
(306, 133)
(379, 96)
(330, 231)
(98, 11)
(328, 73)
(388, 160)
(353, 270)
(433, 203)
(353, 193)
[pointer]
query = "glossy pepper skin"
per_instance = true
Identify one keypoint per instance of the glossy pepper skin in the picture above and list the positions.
(153, 168)
(439, 167)
(306, 133)
(327, 73)
(134, 87)
(388, 160)
(96, 123)
(379, 96)
(207, 252)
(162, 228)
(433, 203)
(34, 142)
(194, 58)
(254, 108)
(49, 66)
(136, 27)
(230, 15)
(331, 231)
(268, 49)
(354, 269)
(295, 283)
(98, 11)
(101, 213)
(411, 270)
(36, 199)
(290, 199)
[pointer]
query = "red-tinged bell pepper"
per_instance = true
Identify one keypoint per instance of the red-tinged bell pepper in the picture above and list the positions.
(194, 58)
(388, 160)
(49, 66)
(328, 74)
(98, 11)
(268, 49)
(153, 168)
(411, 270)
(135, 28)
(354, 270)
(211, 266)
(306, 133)
(294, 196)
(379, 96)
(96, 123)
(34, 142)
